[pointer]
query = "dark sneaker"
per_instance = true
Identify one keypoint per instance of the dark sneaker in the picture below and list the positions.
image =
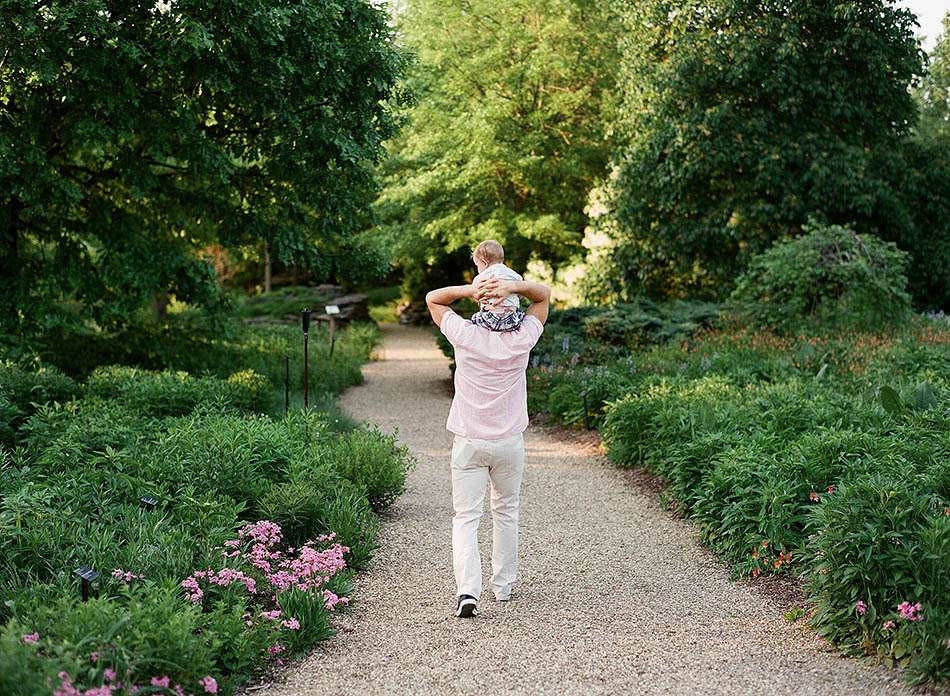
(467, 607)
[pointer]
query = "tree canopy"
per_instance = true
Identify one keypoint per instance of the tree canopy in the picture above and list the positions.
(510, 129)
(744, 118)
(934, 92)
(133, 134)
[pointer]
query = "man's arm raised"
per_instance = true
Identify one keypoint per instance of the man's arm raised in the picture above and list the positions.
(438, 301)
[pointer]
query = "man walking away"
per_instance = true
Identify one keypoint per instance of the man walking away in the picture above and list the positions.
(489, 415)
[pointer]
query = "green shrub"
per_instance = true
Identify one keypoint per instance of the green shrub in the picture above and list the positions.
(143, 633)
(60, 435)
(301, 507)
(830, 277)
(177, 393)
(23, 670)
(374, 463)
(349, 515)
(883, 541)
(23, 390)
(641, 323)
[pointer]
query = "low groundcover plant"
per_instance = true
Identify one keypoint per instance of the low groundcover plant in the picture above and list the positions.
(282, 596)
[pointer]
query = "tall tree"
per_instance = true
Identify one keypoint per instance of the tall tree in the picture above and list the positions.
(133, 133)
(510, 129)
(934, 92)
(747, 117)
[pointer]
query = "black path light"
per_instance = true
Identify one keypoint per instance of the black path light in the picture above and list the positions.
(88, 576)
(305, 319)
(148, 502)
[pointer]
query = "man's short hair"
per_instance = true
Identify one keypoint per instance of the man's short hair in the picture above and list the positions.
(491, 251)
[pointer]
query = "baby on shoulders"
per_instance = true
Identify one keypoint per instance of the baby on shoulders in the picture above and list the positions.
(504, 314)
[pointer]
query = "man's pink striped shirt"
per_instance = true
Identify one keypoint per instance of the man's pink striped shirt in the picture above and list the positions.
(491, 396)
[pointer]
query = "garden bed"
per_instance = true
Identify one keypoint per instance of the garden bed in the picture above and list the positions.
(223, 533)
(821, 457)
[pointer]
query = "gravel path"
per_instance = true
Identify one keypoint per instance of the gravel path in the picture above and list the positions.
(614, 595)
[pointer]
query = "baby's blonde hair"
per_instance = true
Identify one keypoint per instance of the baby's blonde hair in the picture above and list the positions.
(491, 251)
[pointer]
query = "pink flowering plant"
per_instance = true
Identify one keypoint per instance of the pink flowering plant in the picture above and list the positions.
(290, 590)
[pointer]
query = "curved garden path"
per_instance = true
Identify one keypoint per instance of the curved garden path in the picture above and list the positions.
(615, 596)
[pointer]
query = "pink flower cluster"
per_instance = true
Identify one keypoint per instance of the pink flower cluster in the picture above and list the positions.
(111, 688)
(126, 575)
(267, 571)
(861, 607)
(31, 638)
(223, 578)
(911, 612)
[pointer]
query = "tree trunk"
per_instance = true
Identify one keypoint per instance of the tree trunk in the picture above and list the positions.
(10, 266)
(267, 268)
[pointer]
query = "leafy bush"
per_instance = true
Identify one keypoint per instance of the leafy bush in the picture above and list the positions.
(644, 323)
(22, 389)
(72, 492)
(177, 393)
(374, 463)
(762, 437)
(878, 542)
(830, 277)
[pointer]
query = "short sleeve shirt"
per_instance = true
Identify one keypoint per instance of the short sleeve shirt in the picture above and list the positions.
(491, 397)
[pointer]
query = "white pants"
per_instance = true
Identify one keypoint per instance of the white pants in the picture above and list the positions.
(474, 464)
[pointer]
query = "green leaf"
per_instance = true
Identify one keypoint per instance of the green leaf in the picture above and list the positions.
(891, 400)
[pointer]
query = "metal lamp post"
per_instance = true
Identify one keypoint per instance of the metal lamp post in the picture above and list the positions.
(305, 318)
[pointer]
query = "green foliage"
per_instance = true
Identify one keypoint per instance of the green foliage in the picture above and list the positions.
(933, 94)
(829, 278)
(883, 540)
(350, 516)
(744, 120)
(921, 178)
(374, 463)
(822, 456)
(644, 323)
(21, 389)
(510, 129)
(177, 393)
(132, 138)
(70, 495)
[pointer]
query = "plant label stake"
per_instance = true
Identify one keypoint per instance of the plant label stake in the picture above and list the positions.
(331, 311)
(286, 383)
(148, 502)
(88, 576)
(305, 318)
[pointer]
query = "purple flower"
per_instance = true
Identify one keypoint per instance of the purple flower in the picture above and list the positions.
(31, 638)
(861, 607)
(209, 684)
